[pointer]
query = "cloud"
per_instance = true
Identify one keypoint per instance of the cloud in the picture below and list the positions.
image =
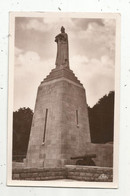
(96, 41)
(37, 25)
(83, 23)
(96, 75)
(46, 24)
(91, 51)
(29, 70)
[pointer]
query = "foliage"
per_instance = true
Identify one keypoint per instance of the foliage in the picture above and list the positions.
(101, 118)
(22, 120)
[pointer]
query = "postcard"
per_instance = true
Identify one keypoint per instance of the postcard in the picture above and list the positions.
(63, 108)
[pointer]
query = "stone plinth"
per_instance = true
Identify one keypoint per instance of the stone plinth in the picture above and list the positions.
(60, 127)
(73, 172)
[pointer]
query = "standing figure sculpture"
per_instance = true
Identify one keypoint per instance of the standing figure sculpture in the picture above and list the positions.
(62, 59)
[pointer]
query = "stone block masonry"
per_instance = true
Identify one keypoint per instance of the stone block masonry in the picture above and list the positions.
(79, 173)
(90, 174)
(39, 174)
(60, 127)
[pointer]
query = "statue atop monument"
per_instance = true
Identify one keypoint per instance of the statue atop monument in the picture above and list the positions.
(62, 59)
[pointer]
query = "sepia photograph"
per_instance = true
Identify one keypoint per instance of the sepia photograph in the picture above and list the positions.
(63, 108)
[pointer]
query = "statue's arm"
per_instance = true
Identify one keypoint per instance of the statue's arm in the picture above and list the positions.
(56, 40)
(57, 37)
(60, 36)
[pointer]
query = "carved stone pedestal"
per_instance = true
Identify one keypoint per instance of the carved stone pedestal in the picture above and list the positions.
(60, 127)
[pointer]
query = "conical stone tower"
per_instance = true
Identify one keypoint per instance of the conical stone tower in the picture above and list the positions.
(60, 126)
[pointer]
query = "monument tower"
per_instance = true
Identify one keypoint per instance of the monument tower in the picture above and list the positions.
(60, 126)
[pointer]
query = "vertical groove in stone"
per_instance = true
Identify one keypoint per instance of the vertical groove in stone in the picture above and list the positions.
(45, 125)
(77, 120)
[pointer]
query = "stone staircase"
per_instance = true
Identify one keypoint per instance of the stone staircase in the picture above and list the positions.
(62, 73)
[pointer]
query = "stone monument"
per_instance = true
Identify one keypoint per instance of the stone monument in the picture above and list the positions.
(60, 126)
(62, 59)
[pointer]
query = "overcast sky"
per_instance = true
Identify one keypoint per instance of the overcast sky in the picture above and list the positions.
(91, 55)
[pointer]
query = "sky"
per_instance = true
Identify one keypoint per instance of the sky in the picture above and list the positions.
(91, 55)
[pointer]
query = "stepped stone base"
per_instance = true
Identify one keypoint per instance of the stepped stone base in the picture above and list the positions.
(62, 73)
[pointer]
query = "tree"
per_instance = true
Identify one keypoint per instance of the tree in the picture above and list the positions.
(101, 118)
(22, 120)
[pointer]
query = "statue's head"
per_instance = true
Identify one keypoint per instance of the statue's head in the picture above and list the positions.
(62, 29)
